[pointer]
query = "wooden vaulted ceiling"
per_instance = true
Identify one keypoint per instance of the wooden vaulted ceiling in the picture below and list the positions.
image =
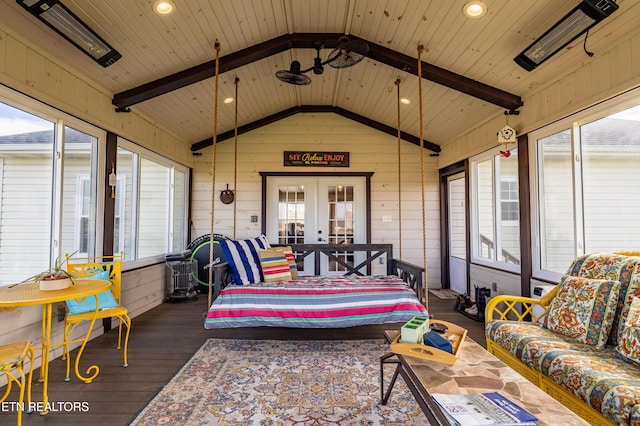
(167, 62)
(279, 44)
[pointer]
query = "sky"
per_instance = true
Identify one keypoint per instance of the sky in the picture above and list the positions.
(14, 121)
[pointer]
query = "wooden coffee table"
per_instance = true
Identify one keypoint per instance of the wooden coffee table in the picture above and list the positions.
(475, 371)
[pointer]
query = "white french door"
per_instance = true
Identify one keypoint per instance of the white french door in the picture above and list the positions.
(317, 210)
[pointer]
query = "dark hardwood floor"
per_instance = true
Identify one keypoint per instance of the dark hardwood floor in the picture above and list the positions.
(162, 340)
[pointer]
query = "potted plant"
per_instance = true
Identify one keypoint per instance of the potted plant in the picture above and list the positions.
(54, 278)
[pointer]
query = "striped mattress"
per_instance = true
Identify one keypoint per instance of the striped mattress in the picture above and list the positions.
(315, 302)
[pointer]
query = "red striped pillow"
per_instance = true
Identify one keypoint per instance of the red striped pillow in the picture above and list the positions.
(274, 264)
(288, 253)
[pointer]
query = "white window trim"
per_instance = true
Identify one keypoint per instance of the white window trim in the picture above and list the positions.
(61, 119)
(572, 122)
(475, 242)
(139, 151)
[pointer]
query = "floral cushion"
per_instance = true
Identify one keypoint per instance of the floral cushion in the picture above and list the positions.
(614, 267)
(596, 376)
(583, 309)
(628, 347)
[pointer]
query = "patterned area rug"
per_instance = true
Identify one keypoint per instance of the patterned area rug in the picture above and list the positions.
(272, 382)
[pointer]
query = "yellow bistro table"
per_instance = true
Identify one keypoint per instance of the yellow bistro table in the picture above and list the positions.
(29, 294)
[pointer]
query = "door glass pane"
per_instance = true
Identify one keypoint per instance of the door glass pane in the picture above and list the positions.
(555, 200)
(340, 226)
(610, 176)
(26, 185)
(79, 193)
(485, 216)
(291, 214)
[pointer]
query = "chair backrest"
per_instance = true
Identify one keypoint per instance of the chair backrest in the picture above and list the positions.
(82, 267)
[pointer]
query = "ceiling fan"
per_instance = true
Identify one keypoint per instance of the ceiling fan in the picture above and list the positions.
(346, 54)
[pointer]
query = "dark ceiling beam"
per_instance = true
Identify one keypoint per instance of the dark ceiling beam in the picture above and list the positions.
(315, 109)
(444, 77)
(276, 45)
(226, 63)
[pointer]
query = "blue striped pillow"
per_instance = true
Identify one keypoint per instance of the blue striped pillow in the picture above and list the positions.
(242, 256)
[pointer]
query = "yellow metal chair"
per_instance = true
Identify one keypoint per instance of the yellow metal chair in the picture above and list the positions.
(85, 268)
(12, 357)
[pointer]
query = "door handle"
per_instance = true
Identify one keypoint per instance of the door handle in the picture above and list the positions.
(321, 239)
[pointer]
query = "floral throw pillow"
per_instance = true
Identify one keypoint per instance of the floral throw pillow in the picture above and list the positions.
(583, 309)
(628, 347)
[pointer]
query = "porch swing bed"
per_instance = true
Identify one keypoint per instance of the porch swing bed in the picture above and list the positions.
(317, 301)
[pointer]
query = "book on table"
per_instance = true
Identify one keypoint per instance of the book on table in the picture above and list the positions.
(483, 409)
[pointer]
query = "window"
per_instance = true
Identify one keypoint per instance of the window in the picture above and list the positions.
(509, 210)
(586, 173)
(495, 212)
(151, 207)
(48, 187)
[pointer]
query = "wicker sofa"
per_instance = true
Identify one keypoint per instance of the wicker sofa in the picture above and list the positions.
(580, 343)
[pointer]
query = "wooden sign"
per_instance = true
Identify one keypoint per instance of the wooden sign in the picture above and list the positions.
(318, 159)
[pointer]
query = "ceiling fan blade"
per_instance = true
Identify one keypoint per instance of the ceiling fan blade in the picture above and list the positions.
(293, 75)
(291, 78)
(348, 53)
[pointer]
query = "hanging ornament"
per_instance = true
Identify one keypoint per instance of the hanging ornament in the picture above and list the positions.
(227, 196)
(507, 135)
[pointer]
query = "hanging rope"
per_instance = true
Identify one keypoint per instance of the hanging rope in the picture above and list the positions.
(235, 158)
(213, 169)
(424, 215)
(397, 83)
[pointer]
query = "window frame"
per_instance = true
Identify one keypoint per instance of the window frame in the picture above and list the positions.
(495, 263)
(60, 120)
(572, 123)
(140, 152)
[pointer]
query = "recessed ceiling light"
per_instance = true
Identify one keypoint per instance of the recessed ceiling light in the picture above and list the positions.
(164, 7)
(474, 9)
(405, 101)
(228, 100)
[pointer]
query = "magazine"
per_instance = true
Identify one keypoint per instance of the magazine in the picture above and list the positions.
(483, 409)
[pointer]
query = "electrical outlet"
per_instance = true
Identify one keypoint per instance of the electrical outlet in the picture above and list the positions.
(494, 287)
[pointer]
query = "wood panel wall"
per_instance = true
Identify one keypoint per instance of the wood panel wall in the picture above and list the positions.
(370, 151)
